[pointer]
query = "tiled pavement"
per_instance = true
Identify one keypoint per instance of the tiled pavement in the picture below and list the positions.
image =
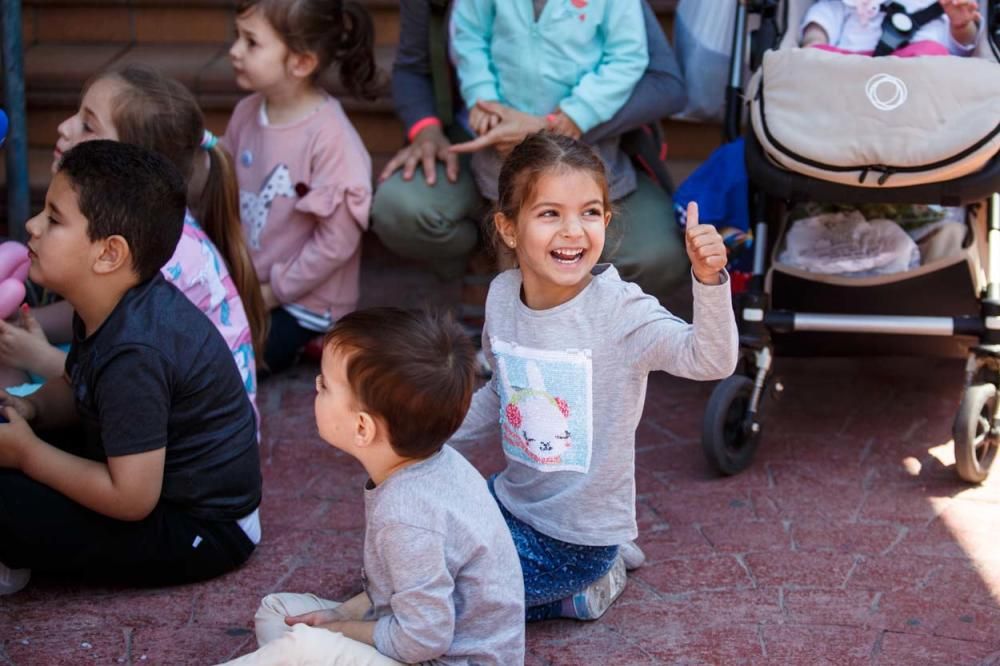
(850, 539)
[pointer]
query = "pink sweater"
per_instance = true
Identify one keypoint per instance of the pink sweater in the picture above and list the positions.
(305, 192)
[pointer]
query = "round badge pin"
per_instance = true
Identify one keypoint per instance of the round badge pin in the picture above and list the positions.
(246, 158)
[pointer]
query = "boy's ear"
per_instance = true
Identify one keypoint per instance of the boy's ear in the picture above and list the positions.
(114, 253)
(302, 65)
(365, 429)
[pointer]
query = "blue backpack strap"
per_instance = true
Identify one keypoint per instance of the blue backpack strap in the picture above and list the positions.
(899, 27)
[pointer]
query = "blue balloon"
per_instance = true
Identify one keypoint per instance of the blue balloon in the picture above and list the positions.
(3, 127)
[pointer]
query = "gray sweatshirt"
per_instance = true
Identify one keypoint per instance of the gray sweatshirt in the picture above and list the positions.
(440, 567)
(568, 390)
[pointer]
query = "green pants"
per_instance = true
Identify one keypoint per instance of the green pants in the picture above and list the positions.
(441, 225)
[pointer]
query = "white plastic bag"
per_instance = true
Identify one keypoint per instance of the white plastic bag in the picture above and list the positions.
(847, 244)
(703, 35)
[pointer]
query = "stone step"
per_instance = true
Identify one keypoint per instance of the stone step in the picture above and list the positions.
(55, 73)
(67, 41)
(158, 21)
(185, 21)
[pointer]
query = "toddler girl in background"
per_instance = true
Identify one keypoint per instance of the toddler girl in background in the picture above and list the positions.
(571, 346)
(855, 26)
(211, 265)
(304, 174)
(573, 62)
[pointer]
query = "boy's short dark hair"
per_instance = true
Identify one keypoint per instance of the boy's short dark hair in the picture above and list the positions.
(131, 192)
(414, 371)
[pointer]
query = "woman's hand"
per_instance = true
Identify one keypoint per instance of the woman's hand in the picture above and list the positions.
(513, 127)
(428, 146)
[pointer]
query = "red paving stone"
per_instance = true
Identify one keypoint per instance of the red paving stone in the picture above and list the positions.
(849, 541)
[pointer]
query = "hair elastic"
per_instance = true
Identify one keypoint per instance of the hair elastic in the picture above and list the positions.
(208, 140)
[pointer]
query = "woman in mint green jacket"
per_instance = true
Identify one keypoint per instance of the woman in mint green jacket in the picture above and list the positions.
(573, 61)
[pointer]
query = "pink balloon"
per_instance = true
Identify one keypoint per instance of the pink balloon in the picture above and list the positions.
(21, 270)
(14, 261)
(11, 296)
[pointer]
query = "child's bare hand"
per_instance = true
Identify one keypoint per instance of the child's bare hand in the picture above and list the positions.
(563, 124)
(705, 248)
(24, 408)
(482, 121)
(961, 12)
(22, 341)
(320, 618)
(16, 437)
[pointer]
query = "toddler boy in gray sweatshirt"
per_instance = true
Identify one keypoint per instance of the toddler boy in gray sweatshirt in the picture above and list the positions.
(442, 579)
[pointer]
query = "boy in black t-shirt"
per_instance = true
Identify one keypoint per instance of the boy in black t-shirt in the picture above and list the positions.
(161, 482)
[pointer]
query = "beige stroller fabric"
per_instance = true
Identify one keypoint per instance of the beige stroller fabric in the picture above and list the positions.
(876, 122)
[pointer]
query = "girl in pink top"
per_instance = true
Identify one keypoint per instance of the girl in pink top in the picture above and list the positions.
(304, 174)
(211, 264)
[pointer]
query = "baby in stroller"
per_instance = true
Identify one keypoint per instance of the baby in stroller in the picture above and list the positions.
(903, 28)
(827, 129)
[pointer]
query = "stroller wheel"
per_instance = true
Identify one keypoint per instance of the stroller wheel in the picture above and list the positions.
(730, 432)
(975, 433)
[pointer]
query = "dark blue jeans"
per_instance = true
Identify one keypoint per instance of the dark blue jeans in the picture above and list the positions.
(45, 531)
(553, 570)
(284, 341)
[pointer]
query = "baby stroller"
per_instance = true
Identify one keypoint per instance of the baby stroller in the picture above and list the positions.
(850, 129)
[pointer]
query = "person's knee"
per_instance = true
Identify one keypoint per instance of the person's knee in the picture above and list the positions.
(269, 620)
(394, 210)
(418, 221)
(659, 268)
(272, 605)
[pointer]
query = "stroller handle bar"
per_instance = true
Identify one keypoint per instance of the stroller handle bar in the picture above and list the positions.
(766, 36)
(784, 321)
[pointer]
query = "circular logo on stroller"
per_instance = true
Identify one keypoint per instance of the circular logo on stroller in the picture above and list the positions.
(886, 92)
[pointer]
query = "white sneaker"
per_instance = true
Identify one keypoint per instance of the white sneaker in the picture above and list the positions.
(597, 598)
(13, 580)
(632, 554)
